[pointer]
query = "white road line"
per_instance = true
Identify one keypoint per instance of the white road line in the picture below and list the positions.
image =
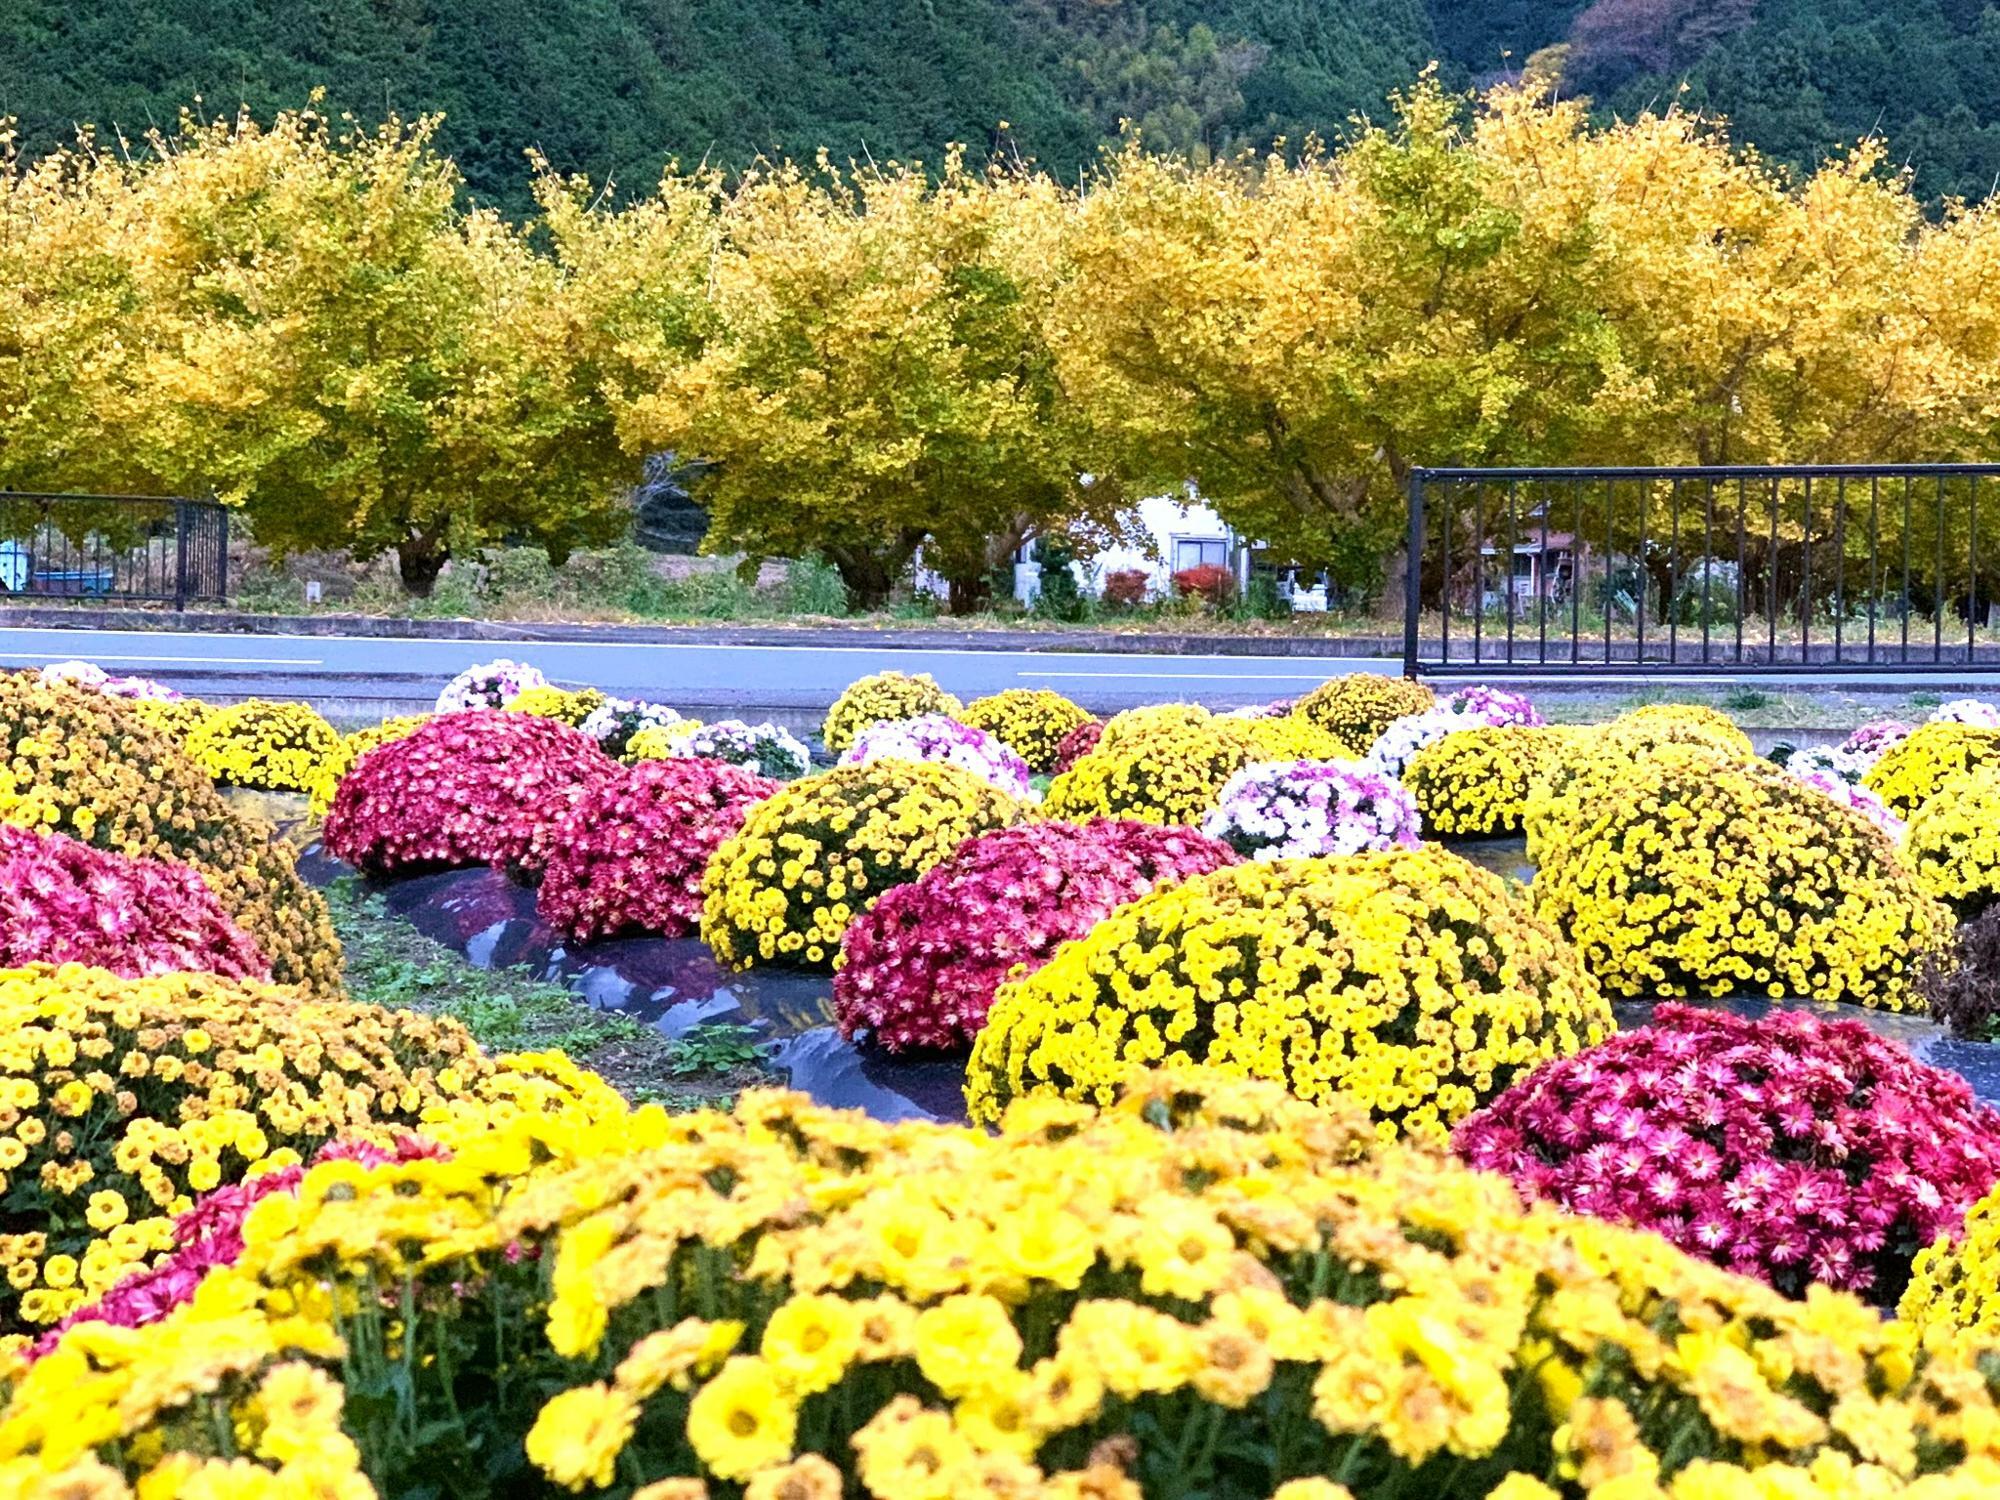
(1194, 676)
(486, 645)
(220, 661)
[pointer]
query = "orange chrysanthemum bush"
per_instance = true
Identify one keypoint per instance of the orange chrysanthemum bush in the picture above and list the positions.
(1688, 870)
(77, 763)
(1408, 980)
(125, 1097)
(1207, 1288)
(806, 861)
(1358, 707)
(1913, 771)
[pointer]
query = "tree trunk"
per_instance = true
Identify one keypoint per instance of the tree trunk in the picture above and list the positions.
(867, 577)
(419, 559)
(970, 594)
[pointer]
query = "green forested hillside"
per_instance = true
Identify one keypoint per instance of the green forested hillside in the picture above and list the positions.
(616, 86)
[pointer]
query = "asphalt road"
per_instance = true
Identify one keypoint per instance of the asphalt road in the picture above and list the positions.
(367, 671)
(365, 675)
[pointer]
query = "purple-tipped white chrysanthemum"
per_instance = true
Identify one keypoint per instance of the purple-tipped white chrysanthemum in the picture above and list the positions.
(492, 684)
(1851, 794)
(1974, 711)
(770, 749)
(1305, 808)
(1875, 739)
(945, 741)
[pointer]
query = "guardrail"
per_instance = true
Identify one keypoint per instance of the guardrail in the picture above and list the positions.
(1744, 569)
(131, 549)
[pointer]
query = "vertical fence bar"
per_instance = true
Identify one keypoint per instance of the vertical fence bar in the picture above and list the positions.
(1972, 569)
(1576, 572)
(1478, 572)
(1937, 604)
(1673, 600)
(1742, 573)
(1413, 589)
(181, 540)
(1645, 587)
(1805, 579)
(1610, 490)
(221, 554)
(1874, 559)
(1541, 577)
(1513, 495)
(1707, 563)
(1907, 532)
(1771, 644)
(1449, 489)
(1839, 563)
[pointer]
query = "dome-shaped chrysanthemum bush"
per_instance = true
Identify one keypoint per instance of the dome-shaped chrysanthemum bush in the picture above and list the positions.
(1171, 773)
(1032, 721)
(1912, 770)
(176, 718)
(1300, 808)
(491, 684)
(1468, 708)
(940, 740)
(1713, 722)
(810, 859)
(1477, 782)
(551, 702)
(1952, 841)
(938, 1313)
(1285, 737)
(64, 902)
(464, 789)
(76, 763)
(629, 856)
(768, 749)
(879, 698)
(351, 748)
(1688, 871)
(189, 1081)
(615, 721)
(1954, 1291)
(275, 747)
(918, 969)
(1788, 1147)
(1409, 980)
(1078, 743)
(1358, 707)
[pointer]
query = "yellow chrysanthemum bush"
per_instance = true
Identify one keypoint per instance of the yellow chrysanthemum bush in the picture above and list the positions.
(1954, 1293)
(276, 747)
(340, 760)
(73, 762)
(1358, 707)
(1688, 870)
(1953, 841)
(880, 697)
(1475, 782)
(1913, 771)
(1408, 980)
(1031, 721)
(1207, 1289)
(1165, 764)
(807, 861)
(551, 702)
(1288, 737)
(125, 1097)
(176, 718)
(1692, 720)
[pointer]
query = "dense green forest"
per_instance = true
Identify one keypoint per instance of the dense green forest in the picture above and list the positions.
(613, 87)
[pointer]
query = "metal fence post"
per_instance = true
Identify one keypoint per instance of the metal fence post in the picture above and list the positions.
(221, 552)
(1413, 584)
(180, 554)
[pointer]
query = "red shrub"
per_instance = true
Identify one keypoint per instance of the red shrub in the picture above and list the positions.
(1207, 581)
(480, 787)
(920, 966)
(629, 856)
(1126, 588)
(1078, 743)
(1786, 1147)
(62, 901)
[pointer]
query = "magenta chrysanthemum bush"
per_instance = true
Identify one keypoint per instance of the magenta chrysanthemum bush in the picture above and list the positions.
(919, 968)
(1875, 738)
(1786, 1147)
(628, 857)
(63, 901)
(471, 788)
(1078, 743)
(942, 740)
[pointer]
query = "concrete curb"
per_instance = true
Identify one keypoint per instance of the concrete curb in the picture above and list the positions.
(887, 638)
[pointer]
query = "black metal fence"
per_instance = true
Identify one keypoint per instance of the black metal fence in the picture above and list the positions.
(1835, 568)
(130, 549)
